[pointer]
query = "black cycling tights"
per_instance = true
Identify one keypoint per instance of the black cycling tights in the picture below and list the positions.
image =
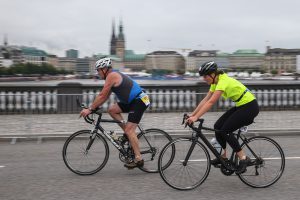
(232, 120)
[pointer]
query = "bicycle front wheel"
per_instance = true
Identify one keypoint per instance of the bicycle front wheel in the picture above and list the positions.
(151, 141)
(81, 160)
(180, 175)
(267, 167)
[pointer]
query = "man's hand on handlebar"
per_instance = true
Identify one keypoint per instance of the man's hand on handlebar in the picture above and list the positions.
(85, 112)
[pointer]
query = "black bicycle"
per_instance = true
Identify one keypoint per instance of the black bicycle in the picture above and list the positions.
(191, 165)
(86, 152)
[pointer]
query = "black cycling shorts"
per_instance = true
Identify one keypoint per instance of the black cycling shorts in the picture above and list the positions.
(135, 110)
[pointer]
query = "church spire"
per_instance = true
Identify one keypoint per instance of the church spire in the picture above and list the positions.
(113, 41)
(113, 30)
(121, 35)
(5, 41)
(120, 45)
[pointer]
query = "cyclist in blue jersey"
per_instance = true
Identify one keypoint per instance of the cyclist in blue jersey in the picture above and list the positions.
(132, 100)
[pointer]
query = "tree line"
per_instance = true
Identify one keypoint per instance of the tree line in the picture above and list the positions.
(31, 69)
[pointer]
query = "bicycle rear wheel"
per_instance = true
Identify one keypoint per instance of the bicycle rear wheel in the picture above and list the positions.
(82, 161)
(151, 141)
(268, 167)
(177, 174)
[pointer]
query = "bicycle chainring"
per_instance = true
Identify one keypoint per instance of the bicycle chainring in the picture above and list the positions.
(123, 158)
(226, 171)
(128, 157)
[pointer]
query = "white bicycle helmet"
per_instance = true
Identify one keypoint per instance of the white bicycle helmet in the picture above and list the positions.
(102, 63)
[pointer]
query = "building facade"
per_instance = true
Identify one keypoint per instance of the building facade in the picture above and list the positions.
(278, 60)
(134, 62)
(34, 55)
(72, 53)
(68, 64)
(240, 60)
(53, 60)
(10, 55)
(246, 60)
(165, 60)
(195, 59)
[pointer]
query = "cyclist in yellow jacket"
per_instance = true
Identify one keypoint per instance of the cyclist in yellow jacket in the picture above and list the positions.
(244, 112)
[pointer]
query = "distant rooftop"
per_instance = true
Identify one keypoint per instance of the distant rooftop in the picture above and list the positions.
(130, 55)
(246, 52)
(283, 51)
(222, 54)
(164, 53)
(203, 53)
(32, 51)
(113, 57)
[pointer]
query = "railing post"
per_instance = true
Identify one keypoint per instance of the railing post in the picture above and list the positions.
(66, 97)
(202, 88)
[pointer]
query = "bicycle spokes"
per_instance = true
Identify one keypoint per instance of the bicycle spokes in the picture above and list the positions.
(266, 166)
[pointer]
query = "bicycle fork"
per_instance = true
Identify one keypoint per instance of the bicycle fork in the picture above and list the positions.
(189, 152)
(91, 140)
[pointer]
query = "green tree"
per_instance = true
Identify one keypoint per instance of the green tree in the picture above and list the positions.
(31, 69)
(274, 71)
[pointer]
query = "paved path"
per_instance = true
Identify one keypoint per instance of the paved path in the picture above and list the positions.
(36, 172)
(273, 122)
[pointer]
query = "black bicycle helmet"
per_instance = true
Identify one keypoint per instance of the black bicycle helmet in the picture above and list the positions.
(208, 68)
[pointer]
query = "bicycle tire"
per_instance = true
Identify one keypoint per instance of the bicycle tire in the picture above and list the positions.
(81, 162)
(157, 139)
(180, 176)
(273, 159)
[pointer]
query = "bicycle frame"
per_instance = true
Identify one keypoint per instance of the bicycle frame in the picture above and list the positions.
(99, 137)
(204, 139)
(97, 127)
(199, 134)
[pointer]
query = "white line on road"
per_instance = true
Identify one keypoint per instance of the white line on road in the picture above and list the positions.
(287, 158)
(291, 158)
(1, 166)
(276, 158)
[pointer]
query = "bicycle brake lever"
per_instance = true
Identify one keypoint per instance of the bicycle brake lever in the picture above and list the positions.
(185, 116)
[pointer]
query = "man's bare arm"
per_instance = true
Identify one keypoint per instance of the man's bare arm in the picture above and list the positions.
(105, 92)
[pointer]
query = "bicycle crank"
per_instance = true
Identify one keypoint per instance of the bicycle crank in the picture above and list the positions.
(226, 171)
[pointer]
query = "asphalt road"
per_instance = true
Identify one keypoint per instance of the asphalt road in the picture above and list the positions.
(35, 171)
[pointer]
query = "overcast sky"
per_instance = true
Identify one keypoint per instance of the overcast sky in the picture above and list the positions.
(86, 25)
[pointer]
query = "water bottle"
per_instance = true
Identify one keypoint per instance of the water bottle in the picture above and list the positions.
(216, 144)
(114, 135)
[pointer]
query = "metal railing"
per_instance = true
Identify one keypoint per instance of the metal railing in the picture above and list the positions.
(163, 100)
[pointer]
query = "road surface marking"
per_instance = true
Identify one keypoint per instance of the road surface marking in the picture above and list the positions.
(276, 158)
(291, 158)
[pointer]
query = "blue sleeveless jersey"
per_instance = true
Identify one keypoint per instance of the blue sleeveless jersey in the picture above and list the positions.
(128, 90)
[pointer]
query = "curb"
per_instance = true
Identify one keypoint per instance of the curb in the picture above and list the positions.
(39, 138)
